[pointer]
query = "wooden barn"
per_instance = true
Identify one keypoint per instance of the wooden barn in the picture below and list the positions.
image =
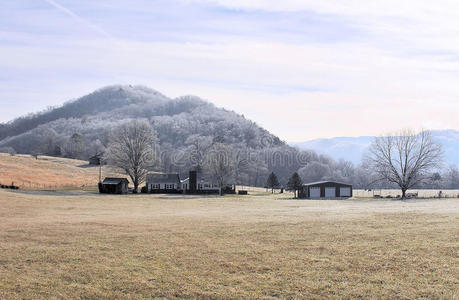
(112, 185)
(326, 190)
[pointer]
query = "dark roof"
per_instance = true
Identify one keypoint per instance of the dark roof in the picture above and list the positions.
(98, 155)
(323, 182)
(115, 181)
(163, 178)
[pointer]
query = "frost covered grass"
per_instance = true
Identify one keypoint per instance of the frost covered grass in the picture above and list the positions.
(170, 246)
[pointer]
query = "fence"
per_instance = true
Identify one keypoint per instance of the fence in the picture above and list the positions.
(381, 193)
(252, 189)
(28, 185)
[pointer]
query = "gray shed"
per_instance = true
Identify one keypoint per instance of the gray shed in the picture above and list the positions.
(326, 190)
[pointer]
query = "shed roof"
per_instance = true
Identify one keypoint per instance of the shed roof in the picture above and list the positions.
(163, 178)
(324, 182)
(115, 181)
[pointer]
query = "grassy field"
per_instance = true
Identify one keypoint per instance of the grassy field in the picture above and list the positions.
(82, 245)
(394, 193)
(48, 172)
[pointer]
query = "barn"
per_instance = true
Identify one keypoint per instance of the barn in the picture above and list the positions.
(326, 190)
(96, 160)
(112, 185)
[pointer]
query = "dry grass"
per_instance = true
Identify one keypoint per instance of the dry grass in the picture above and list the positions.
(146, 246)
(47, 172)
(395, 193)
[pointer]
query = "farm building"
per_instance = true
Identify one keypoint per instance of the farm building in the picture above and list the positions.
(326, 190)
(114, 186)
(163, 183)
(96, 160)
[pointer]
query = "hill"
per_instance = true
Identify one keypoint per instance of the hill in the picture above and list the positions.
(353, 148)
(48, 172)
(81, 128)
(93, 115)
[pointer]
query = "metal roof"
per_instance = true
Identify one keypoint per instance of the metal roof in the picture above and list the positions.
(323, 182)
(163, 178)
(115, 181)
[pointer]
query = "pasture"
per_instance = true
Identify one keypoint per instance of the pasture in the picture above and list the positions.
(49, 172)
(62, 245)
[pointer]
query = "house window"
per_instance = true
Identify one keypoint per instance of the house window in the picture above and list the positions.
(169, 186)
(155, 186)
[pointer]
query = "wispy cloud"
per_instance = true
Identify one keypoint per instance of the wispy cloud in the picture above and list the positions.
(302, 63)
(78, 18)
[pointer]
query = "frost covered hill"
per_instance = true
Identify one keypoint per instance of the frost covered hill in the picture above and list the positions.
(103, 100)
(81, 128)
(94, 115)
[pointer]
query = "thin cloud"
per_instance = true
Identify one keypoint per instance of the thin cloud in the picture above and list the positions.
(79, 19)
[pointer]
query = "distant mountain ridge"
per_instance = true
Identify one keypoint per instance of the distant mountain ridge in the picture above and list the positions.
(354, 148)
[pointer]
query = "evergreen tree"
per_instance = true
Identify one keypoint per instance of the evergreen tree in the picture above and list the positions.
(272, 182)
(294, 183)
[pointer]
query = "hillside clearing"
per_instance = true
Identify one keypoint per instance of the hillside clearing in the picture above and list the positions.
(48, 172)
(93, 246)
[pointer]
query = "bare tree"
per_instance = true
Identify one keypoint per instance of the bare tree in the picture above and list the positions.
(405, 158)
(132, 148)
(220, 164)
(198, 147)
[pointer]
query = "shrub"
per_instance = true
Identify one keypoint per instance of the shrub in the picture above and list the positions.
(9, 150)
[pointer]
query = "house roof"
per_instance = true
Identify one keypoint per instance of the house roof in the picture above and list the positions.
(323, 182)
(115, 181)
(163, 178)
(98, 155)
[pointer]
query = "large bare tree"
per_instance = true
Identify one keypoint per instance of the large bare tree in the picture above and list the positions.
(405, 158)
(132, 149)
(220, 164)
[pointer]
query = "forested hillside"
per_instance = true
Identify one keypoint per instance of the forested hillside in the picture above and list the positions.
(81, 128)
(186, 127)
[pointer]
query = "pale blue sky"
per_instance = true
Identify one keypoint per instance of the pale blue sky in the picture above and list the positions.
(295, 67)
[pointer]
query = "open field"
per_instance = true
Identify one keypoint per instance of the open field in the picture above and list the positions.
(395, 193)
(48, 172)
(141, 246)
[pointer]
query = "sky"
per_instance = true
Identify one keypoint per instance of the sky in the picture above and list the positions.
(303, 69)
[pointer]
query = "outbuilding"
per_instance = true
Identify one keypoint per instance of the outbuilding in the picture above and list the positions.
(112, 185)
(326, 190)
(96, 160)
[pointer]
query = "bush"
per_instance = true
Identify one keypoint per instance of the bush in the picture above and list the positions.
(144, 190)
(9, 150)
